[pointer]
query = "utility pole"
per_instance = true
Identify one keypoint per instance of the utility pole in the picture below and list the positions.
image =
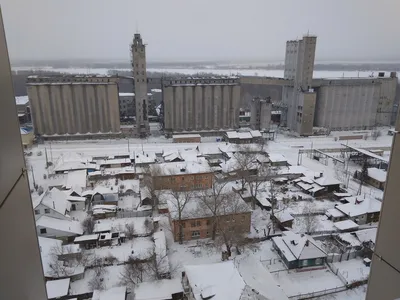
(129, 150)
(51, 153)
(33, 178)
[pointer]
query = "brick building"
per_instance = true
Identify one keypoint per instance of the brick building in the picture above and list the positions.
(233, 215)
(186, 138)
(183, 176)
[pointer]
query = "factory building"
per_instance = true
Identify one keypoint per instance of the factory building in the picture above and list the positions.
(141, 127)
(126, 105)
(260, 117)
(85, 105)
(201, 104)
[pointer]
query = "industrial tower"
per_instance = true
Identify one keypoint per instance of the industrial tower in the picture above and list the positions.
(141, 126)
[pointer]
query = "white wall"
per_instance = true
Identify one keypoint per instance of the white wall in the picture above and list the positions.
(53, 213)
(53, 233)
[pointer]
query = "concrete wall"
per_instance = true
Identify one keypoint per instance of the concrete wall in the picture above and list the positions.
(260, 118)
(384, 279)
(306, 113)
(70, 108)
(201, 107)
(21, 273)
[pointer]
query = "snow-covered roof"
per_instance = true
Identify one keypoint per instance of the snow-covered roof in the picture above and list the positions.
(158, 290)
(161, 251)
(21, 100)
(298, 246)
(127, 94)
(367, 235)
(24, 131)
(88, 237)
(239, 135)
(220, 279)
(70, 249)
(350, 239)
(113, 161)
(179, 168)
(115, 293)
(55, 200)
(297, 170)
(47, 247)
(326, 181)
(180, 136)
(342, 195)
(276, 157)
(346, 225)
(284, 216)
(76, 179)
(359, 206)
(70, 165)
(377, 174)
(255, 133)
(232, 135)
(145, 158)
(335, 213)
(68, 226)
(258, 278)
(118, 224)
(209, 149)
(57, 288)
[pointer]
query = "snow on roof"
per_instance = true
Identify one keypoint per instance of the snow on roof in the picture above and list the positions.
(70, 165)
(222, 279)
(76, 179)
(55, 200)
(367, 235)
(127, 94)
(158, 290)
(88, 237)
(57, 288)
(305, 186)
(255, 133)
(23, 131)
(284, 216)
(296, 170)
(327, 180)
(115, 293)
(180, 136)
(179, 168)
(47, 247)
(232, 135)
(209, 149)
(298, 246)
(259, 278)
(145, 158)
(377, 174)
(335, 213)
(276, 157)
(161, 251)
(368, 153)
(68, 226)
(76, 199)
(350, 238)
(119, 225)
(70, 249)
(21, 100)
(341, 195)
(358, 206)
(113, 161)
(345, 225)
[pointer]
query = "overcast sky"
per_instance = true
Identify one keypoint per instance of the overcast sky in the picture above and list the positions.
(185, 30)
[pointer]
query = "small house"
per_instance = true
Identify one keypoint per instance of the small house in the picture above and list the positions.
(284, 219)
(361, 209)
(87, 241)
(376, 178)
(52, 203)
(345, 226)
(58, 228)
(277, 160)
(299, 250)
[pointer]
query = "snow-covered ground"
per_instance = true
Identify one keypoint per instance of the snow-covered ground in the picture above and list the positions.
(353, 269)
(295, 283)
(358, 293)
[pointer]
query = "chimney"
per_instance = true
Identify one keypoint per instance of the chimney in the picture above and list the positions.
(307, 243)
(54, 206)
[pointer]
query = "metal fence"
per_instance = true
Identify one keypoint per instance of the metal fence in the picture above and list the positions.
(134, 214)
(335, 257)
(319, 293)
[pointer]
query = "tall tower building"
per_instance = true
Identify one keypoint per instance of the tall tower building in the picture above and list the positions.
(300, 99)
(138, 52)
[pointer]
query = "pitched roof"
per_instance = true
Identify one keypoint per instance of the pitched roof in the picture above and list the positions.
(115, 293)
(359, 206)
(158, 290)
(67, 226)
(54, 199)
(47, 246)
(76, 178)
(57, 288)
(327, 180)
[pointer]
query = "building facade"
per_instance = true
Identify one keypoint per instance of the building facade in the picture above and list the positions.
(184, 181)
(201, 228)
(260, 118)
(126, 105)
(85, 105)
(300, 98)
(201, 104)
(138, 52)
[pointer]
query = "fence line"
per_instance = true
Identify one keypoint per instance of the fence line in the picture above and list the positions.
(134, 214)
(318, 293)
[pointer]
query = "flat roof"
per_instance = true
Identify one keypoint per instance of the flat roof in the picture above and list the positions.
(180, 136)
(345, 225)
(57, 288)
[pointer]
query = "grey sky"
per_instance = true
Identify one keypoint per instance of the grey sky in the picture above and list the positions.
(182, 30)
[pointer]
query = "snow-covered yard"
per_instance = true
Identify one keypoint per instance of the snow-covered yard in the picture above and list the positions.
(116, 224)
(321, 224)
(353, 269)
(358, 293)
(268, 257)
(128, 202)
(294, 283)
(111, 278)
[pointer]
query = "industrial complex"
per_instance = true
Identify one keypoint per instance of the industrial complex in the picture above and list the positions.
(92, 105)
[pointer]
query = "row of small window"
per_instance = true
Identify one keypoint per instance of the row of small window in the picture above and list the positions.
(137, 80)
(199, 177)
(195, 223)
(46, 211)
(137, 73)
(137, 65)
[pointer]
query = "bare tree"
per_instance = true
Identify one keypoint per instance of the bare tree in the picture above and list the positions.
(232, 224)
(63, 261)
(88, 225)
(178, 201)
(310, 220)
(149, 183)
(277, 206)
(244, 163)
(97, 281)
(210, 202)
(133, 271)
(148, 225)
(130, 230)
